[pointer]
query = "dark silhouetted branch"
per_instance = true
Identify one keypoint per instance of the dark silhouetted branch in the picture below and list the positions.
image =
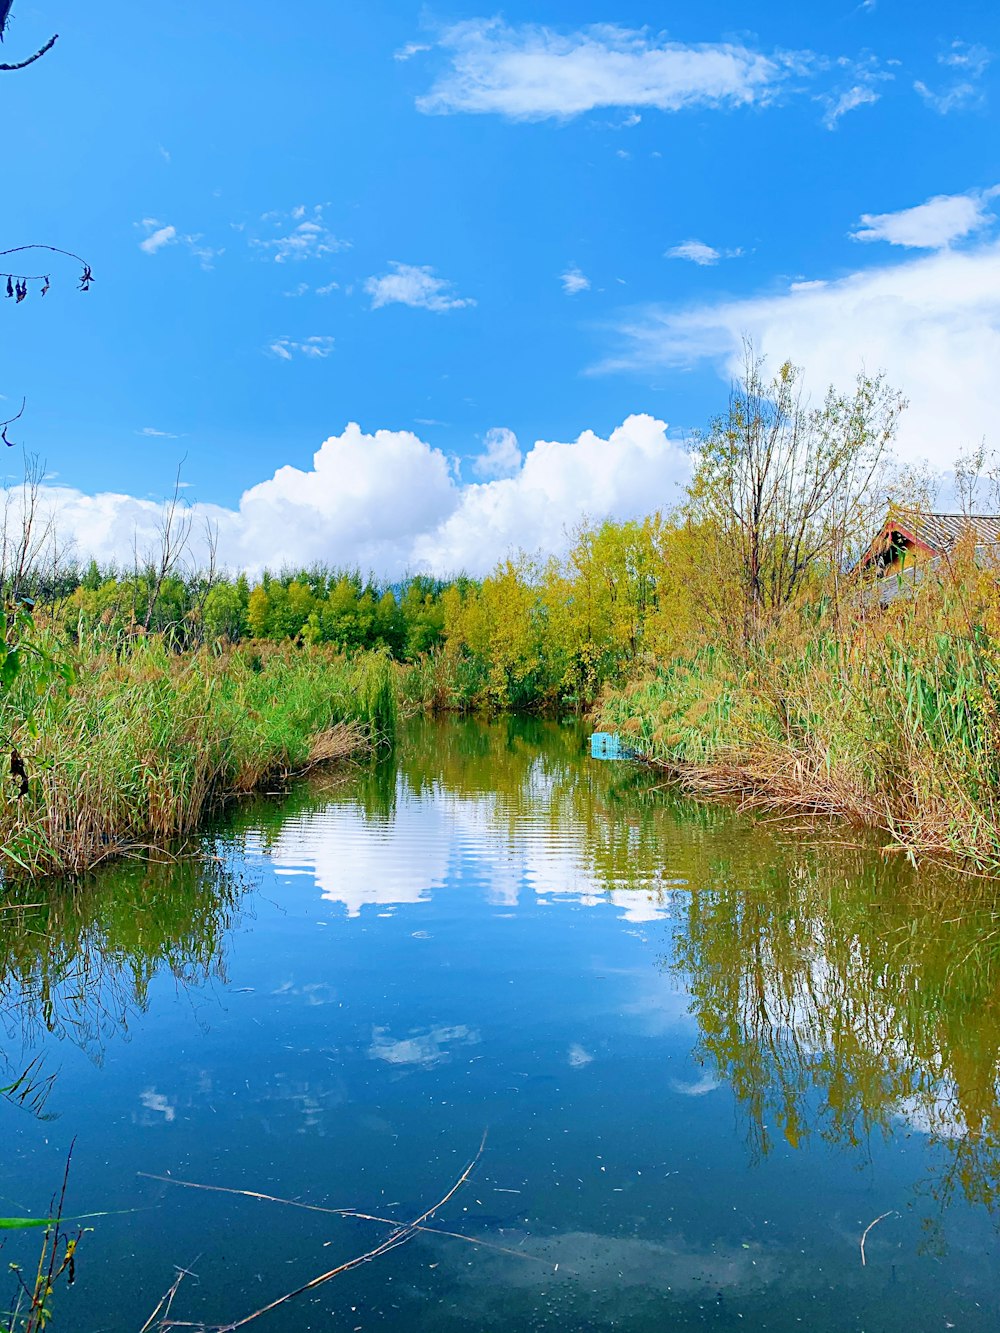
(23, 64)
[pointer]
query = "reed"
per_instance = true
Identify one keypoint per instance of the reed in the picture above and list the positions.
(143, 745)
(889, 717)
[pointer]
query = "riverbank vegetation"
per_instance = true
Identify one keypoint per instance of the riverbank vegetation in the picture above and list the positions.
(733, 639)
(141, 744)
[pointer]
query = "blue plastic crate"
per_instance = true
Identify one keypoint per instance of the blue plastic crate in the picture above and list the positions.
(608, 745)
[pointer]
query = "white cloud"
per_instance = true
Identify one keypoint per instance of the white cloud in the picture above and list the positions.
(157, 434)
(159, 235)
(574, 281)
(849, 100)
(931, 225)
(969, 62)
(308, 238)
(695, 251)
(501, 457)
(636, 469)
(533, 72)
(413, 285)
(410, 50)
(932, 323)
(390, 502)
(967, 56)
(955, 98)
(862, 77)
(316, 347)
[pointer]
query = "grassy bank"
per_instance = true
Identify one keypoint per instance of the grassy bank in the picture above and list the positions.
(888, 717)
(141, 746)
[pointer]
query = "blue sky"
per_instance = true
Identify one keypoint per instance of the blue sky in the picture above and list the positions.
(486, 229)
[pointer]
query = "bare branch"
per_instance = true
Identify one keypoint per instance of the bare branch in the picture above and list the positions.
(23, 64)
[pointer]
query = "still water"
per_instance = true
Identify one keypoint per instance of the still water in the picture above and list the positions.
(706, 1054)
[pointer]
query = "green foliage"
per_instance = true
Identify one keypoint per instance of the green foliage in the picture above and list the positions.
(145, 741)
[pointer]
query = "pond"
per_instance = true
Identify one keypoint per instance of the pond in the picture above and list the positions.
(705, 1053)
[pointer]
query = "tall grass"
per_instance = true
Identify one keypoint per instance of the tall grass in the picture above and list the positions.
(889, 716)
(142, 745)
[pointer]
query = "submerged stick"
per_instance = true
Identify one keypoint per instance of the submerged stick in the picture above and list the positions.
(404, 1232)
(864, 1234)
(340, 1212)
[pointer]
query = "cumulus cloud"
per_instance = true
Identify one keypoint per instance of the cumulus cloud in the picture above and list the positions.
(316, 347)
(302, 233)
(531, 72)
(390, 502)
(636, 469)
(413, 285)
(932, 323)
(574, 281)
(501, 457)
(931, 225)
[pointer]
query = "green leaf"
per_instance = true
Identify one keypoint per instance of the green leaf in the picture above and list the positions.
(11, 666)
(20, 1223)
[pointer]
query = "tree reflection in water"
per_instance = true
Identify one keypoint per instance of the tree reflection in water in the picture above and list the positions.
(77, 959)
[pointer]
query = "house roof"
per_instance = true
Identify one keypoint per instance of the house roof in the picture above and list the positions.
(941, 531)
(935, 533)
(905, 583)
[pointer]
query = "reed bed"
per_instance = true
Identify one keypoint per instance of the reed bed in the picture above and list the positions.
(889, 717)
(143, 745)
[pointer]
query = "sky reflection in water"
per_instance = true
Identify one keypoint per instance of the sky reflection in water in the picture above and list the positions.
(706, 1061)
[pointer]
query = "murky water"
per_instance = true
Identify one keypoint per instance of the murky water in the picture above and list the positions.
(705, 1058)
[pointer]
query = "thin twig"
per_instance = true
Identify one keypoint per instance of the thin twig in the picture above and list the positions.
(403, 1233)
(864, 1234)
(340, 1212)
(166, 1300)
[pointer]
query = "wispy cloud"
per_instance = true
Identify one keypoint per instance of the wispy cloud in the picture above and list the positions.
(856, 85)
(157, 236)
(968, 63)
(410, 50)
(316, 347)
(932, 225)
(413, 285)
(160, 235)
(155, 434)
(574, 281)
(532, 72)
(849, 100)
(302, 234)
(697, 252)
(932, 323)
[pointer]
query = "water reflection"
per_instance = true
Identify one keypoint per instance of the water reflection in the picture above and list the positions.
(838, 996)
(489, 928)
(77, 959)
(837, 993)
